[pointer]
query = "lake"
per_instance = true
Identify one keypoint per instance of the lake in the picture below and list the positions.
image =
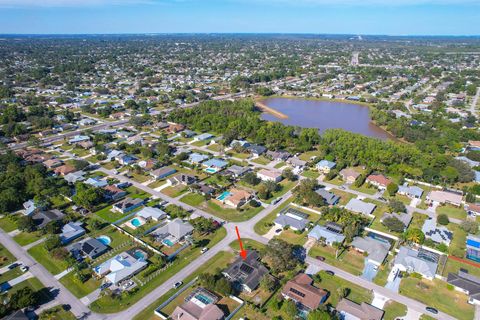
(325, 115)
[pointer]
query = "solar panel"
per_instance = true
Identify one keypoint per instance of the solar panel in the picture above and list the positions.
(246, 268)
(428, 255)
(298, 293)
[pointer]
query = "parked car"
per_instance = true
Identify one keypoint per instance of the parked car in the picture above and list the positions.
(431, 310)
(320, 258)
(105, 285)
(204, 250)
(330, 272)
(23, 268)
(177, 284)
(13, 265)
(278, 230)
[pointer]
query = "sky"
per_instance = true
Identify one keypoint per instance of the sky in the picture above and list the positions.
(385, 17)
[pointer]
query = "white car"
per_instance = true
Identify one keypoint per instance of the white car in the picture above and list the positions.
(204, 250)
(23, 268)
(177, 284)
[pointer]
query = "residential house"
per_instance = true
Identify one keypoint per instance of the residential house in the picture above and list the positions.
(203, 189)
(30, 207)
(466, 283)
(419, 261)
(72, 231)
(78, 138)
(122, 266)
(280, 155)
(444, 197)
(439, 234)
(349, 175)
(183, 179)
(126, 160)
(379, 181)
(150, 213)
(86, 144)
(238, 171)
(52, 163)
(203, 137)
(413, 192)
(162, 172)
(74, 177)
(473, 209)
(175, 127)
(256, 150)
(90, 247)
(215, 164)
(42, 218)
(64, 170)
(329, 234)
(358, 206)
(330, 198)
(173, 232)
(242, 143)
(114, 193)
(127, 205)
(96, 182)
(297, 163)
(404, 218)
(200, 305)
(350, 310)
(237, 198)
(377, 250)
(325, 166)
(197, 158)
(305, 295)
(246, 274)
(269, 175)
(292, 218)
(147, 164)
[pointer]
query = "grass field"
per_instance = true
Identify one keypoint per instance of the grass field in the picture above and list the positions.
(231, 214)
(454, 266)
(25, 238)
(332, 283)
(264, 225)
(436, 294)
(310, 174)
(261, 160)
(293, 237)
(78, 288)
(349, 260)
(452, 212)
(5, 256)
(393, 310)
(42, 256)
(8, 223)
(193, 199)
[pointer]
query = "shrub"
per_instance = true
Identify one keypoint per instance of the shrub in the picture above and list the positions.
(443, 219)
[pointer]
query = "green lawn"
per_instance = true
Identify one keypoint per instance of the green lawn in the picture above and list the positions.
(109, 215)
(25, 238)
(239, 155)
(452, 212)
(383, 271)
(78, 288)
(265, 224)
(57, 313)
(107, 304)
(349, 260)
(393, 310)
(365, 188)
(262, 160)
(219, 261)
(332, 283)
(458, 243)
(157, 183)
(345, 196)
(10, 274)
(193, 199)
(284, 187)
(418, 219)
(5, 256)
(280, 165)
(436, 294)
(306, 156)
(293, 237)
(9, 223)
(311, 174)
(42, 256)
(245, 213)
(135, 193)
(174, 191)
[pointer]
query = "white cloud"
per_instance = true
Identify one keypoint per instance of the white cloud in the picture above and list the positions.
(366, 2)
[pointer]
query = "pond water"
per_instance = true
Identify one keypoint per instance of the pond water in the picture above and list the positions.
(325, 115)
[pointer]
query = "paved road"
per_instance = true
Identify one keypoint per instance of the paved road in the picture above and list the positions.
(64, 296)
(473, 106)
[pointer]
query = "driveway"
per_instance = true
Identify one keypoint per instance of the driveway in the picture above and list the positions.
(394, 285)
(369, 271)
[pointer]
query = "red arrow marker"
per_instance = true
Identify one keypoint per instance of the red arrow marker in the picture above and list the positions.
(243, 253)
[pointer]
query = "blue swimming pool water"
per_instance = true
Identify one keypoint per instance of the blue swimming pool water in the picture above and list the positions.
(136, 222)
(204, 298)
(211, 170)
(224, 196)
(104, 240)
(168, 242)
(139, 255)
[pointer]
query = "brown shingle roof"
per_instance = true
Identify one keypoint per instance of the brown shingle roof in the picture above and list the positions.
(301, 290)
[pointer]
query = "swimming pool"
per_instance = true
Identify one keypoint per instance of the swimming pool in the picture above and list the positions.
(211, 170)
(224, 196)
(168, 242)
(139, 255)
(203, 298)
(136, 222)
(104, 240)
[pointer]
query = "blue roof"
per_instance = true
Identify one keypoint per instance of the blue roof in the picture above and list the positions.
(218, 163)
(197, 157)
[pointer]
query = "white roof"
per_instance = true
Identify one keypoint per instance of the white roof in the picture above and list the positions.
(150, 212)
